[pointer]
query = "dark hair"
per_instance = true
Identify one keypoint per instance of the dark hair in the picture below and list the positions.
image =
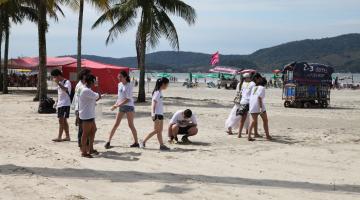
(90, 79)
(160, 82)
(187, 113)
(56, 72)
(125, 75)
(83, 73)
(263, 82)
(256, 76)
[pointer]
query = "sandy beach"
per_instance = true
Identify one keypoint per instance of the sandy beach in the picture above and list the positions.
(315, 154)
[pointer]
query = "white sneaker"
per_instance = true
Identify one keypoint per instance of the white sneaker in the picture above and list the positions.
(141, 144)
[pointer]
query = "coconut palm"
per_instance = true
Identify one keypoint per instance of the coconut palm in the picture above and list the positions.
(100, 4)
(12, 11)
(1, 72)
(154, 22)
(44, 9)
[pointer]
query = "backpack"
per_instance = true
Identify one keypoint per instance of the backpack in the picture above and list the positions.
(46, 106)
(72, 92)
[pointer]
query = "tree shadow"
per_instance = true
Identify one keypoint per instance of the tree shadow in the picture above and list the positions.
(165, 177)
(284, 140)
(127, 156)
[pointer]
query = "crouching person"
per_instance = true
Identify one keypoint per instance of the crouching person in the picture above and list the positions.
(183, 123)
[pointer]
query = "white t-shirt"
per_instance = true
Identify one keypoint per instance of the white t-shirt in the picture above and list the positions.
(246, 92)
(159, 108)
(257, 91)
(125, 92)
(87, 103)
(178, 118)
(63, 97)
(78, 88)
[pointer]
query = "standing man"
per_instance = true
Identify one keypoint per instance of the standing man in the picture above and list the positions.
(75, 104)
(182, 123)
(63, 104)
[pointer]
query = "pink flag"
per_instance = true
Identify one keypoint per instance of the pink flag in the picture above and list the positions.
(215, 59)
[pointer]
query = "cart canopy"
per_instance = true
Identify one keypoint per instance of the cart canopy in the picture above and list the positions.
(309, 73)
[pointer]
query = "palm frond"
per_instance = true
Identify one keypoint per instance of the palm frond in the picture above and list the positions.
(178, 8)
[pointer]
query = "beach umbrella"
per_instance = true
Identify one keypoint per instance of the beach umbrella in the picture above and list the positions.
(163, 75)
(276, 71)
(198, 76)
(251, 71)
(212, 75)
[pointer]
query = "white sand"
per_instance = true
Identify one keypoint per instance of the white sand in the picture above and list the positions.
(316, 154)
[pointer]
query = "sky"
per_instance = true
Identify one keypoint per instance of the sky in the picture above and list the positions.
(228, 26)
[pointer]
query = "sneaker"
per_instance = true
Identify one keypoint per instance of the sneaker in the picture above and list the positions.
(141, 144)
(185, 140)
(107, 145)
(135, 145)
(164, 148)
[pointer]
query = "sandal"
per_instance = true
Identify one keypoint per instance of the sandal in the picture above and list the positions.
(258, 136)
(57, 140)
(229, 132)
(86, 155)
(95, 152)
(251, 139)
(66, 140)
(269, 137)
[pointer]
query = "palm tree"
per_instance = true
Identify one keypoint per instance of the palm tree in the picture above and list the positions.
(101, 4)
(44, 8)
(12, 11)
(1, 72)
(154, 23)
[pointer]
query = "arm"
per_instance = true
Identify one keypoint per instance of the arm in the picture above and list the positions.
(153, 107)
(119, 104)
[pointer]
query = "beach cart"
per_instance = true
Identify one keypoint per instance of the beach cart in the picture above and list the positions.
(306, 85)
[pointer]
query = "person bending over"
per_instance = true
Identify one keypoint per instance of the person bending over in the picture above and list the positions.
(183, 123)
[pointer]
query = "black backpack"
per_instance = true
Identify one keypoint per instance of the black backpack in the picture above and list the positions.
(46, 106)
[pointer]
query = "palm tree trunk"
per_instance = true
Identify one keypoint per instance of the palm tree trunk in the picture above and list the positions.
(79, 38)
(141, 52)
(42, 29)
(1, 71)
(6, 58)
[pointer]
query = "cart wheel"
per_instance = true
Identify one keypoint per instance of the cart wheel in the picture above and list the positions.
(287, 104)
(324, 104)
(307, 105)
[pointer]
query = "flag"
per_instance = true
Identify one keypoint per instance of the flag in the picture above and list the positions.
(215, 59)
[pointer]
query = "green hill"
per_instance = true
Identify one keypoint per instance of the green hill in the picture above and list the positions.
(342, 52)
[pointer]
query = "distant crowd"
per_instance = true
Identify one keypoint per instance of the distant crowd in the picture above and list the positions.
(22, 80)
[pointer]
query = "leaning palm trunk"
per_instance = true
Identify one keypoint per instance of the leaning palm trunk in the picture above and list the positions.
(6, 58)
(42, 29)
(79, 38)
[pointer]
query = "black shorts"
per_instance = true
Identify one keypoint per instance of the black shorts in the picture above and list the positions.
(243, 110)
(158, 117)
(87, 120)
(63, 112)
(184, 130)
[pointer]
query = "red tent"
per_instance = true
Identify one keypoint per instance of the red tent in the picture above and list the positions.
(106, 74)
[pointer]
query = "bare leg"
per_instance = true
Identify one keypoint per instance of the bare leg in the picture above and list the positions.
(61, 130)
(159, 129)
(130, 117)
(86, 126)
(66, 129)
(119, 116)
(252, 126)
(266, 125)
(242, 122)
(175, 131)
(256, 133)
(92, 137)
(192, 131)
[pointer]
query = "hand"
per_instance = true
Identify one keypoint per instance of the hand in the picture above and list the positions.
(77, 121)
(113, 107)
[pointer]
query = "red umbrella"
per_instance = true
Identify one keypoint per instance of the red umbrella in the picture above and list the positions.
(251, 71)
(276, 71)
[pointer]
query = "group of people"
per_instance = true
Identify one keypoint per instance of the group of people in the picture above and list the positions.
(183, 122)
(23, 80)
(249, 104)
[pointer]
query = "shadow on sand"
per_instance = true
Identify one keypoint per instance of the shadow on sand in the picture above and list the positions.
(127, 156)
(165, 177)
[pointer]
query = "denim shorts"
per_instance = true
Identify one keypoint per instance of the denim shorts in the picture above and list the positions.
(126, 109)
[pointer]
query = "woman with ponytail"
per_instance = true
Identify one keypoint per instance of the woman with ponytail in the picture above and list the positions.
(125, 103)
(157, 113)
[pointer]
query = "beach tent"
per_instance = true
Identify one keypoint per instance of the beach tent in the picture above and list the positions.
(213, 75)
(106, 74)
(224, 70)
(198, 76)
(163, 75)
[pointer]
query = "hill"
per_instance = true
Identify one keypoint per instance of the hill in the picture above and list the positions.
(342, 52)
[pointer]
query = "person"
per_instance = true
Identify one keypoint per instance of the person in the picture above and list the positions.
(125, 103)
(87, 103)
(233, 121)
(183, 122)
(243, 110)
(63, 104)
(75, 104)
(157, 113)
(257, 107)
